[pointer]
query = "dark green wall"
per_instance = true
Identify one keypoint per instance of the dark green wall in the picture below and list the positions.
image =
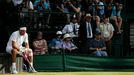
(82, 63)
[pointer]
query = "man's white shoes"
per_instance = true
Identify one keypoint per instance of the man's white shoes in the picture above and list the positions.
(13, 70)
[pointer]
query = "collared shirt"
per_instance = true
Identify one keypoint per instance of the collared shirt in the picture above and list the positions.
(106, 29)
(69, 28)
(89, 30)
(56, 42)
(16, 2)
(15, 36)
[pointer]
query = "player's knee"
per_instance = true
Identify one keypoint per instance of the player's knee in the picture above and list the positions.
(30, 52)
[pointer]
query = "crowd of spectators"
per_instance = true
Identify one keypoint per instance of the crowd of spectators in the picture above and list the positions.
(82, 19)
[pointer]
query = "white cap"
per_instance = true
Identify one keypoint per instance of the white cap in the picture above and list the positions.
(58, 32)
(66, 36)
(23, 28)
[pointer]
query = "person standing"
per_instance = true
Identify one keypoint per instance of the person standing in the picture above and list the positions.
(86, 32)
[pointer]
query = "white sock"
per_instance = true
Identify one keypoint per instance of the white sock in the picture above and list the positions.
(31, 64)
(14, 65)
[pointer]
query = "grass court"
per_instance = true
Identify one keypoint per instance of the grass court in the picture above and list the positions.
(73, 73)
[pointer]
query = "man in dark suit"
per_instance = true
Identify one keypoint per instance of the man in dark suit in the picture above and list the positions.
(86, 33)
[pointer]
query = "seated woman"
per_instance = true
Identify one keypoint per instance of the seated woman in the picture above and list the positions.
(68, 45)
(56, 43)
(40, 45)
(97, 46)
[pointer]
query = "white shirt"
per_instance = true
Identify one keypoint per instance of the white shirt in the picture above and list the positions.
(106, 29)
(15, 36)
(30, 5)
(16, 2)
(69, 28)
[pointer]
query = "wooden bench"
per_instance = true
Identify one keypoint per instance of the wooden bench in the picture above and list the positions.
(6, 62)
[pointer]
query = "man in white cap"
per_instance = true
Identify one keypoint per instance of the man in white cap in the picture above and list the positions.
(56, 43)
(14, 47)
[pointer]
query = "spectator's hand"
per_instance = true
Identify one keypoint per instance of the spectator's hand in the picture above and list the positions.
(70, 4)
(98, 49)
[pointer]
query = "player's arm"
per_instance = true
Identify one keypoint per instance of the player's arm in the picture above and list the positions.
(26, 42)
(15, 46)
(27, 45)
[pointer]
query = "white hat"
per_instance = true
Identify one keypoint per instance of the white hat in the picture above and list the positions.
(88, 15)
(66, 36)
(23, 28)
(58, 32)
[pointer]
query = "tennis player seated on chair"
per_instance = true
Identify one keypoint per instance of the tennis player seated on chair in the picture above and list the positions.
(14, 47)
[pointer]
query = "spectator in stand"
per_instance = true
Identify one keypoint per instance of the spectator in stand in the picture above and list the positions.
(72, 7)
(42, 7)
(58, 7)
(14, 15)
(98, 10)
(72, 29)
(117, 17)
(86, 7)
(113, 10)
(56, 43)
(68, 45)
(107, 30)
(86, 33)
(97, 45)
(40, 45)
(27, 13)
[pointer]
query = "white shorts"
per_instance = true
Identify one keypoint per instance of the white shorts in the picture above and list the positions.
(22, 49)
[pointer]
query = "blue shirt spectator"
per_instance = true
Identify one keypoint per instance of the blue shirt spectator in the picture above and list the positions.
(56, 43)
(42, 5)
(97, 46)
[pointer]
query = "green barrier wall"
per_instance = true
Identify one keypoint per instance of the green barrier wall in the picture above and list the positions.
(82, 63)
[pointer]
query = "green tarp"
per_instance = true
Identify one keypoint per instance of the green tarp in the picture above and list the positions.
(82, 63)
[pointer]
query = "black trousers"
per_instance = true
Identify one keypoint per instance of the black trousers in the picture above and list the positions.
(84, 46)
